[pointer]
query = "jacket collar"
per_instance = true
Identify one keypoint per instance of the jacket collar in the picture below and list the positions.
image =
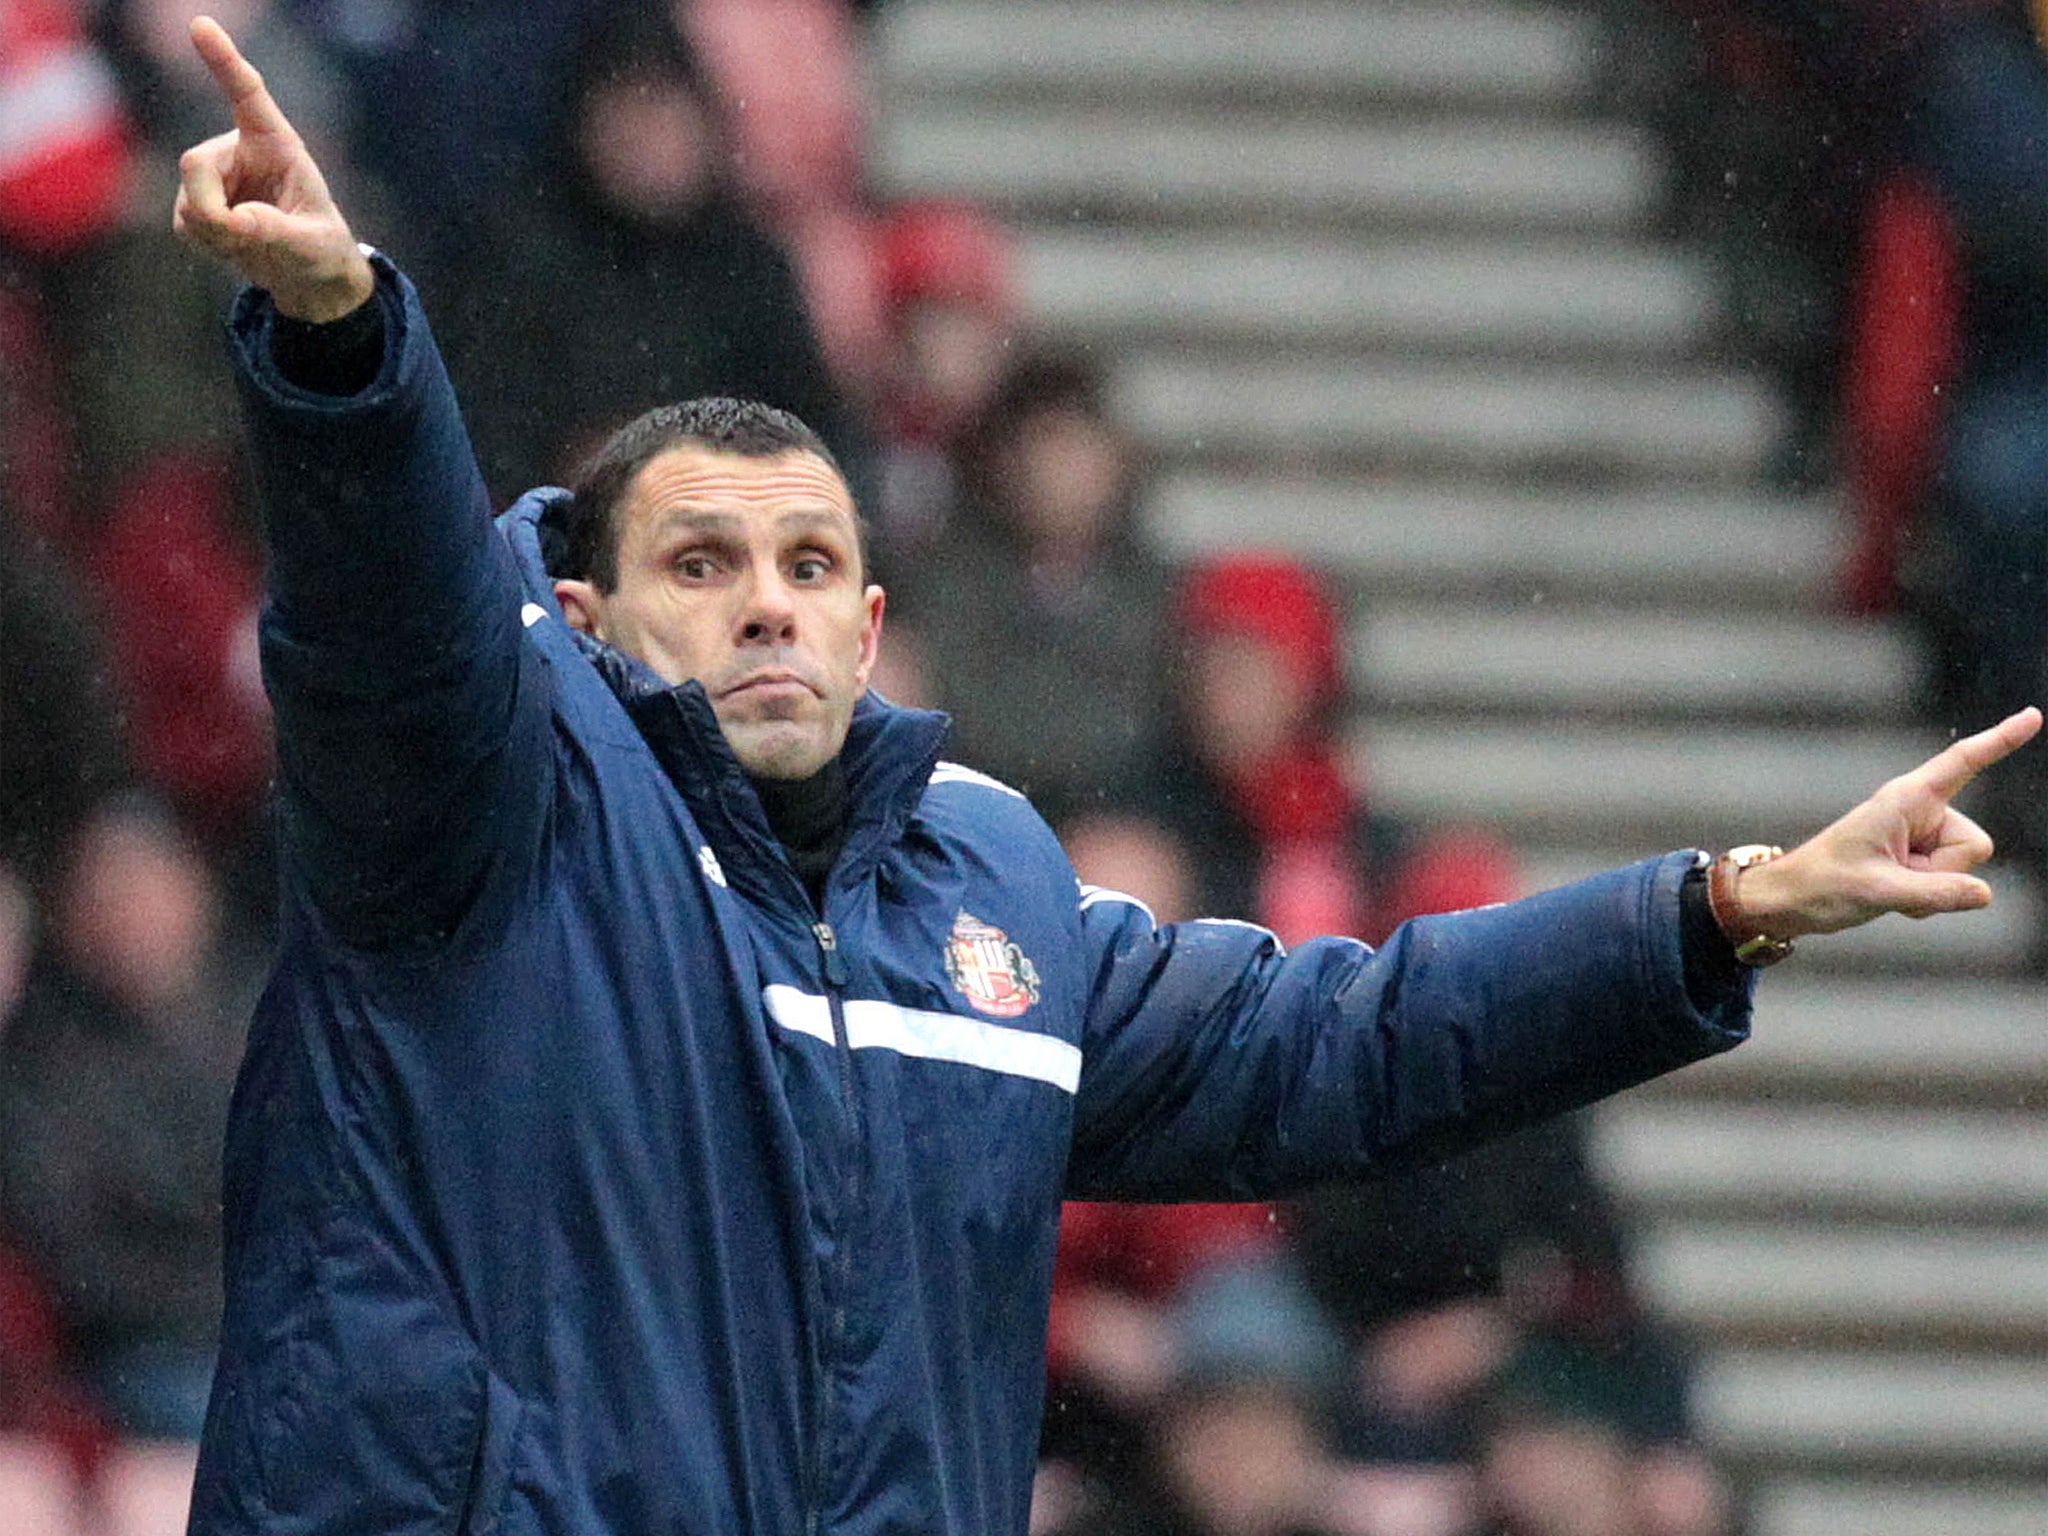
(888, 756)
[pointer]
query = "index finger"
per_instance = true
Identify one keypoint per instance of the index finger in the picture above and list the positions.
(254, 111)
(1956, 764)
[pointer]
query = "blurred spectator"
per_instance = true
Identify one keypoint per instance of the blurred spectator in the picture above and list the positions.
(60, 766)
(157, 520)
(61, 758)
(791, 71)
(1238, 1446)
(1040, 620)
(1434, 1273)
(1255, 779)
(1111, 1348)
(1567, 1450)
(65, 157)
(1901, 355)
(951, 305)
(1136, 854)
(477, 80)
(118, 1060)
(1119, 1268)
(182, 586)
(1785, 124)
(790, 75)
(1983, 115)
(631, 278)
(66, 166)
(115, 1054)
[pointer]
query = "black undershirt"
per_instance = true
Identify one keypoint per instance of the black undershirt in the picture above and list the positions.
(336, 357)
(1711, 969)
(808, 817)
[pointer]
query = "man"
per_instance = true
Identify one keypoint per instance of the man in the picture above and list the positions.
(658, 1118)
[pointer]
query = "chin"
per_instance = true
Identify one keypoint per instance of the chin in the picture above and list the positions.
(780, 756)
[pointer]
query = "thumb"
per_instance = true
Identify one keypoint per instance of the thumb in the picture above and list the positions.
(1925, 895)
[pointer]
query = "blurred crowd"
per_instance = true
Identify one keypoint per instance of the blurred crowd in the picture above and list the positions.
(608, 204)
(1872, 173)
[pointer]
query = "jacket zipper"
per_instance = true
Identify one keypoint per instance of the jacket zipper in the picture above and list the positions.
(834, 966)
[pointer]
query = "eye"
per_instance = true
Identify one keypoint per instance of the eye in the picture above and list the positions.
(810, 568)
(695, 565)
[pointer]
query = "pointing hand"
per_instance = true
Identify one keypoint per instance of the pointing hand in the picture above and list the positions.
(254, 197)
(1905, 849)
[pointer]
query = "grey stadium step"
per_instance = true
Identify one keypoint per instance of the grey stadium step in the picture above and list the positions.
(1684, 786)
(1730, 548)
(1900, 1163)
(1808, 1284)
(1817, 1407)
(1841, 1507)
(1273, 291)
(1503, 416)
(1159, 167)
(1923, 1038)
(1471, 53)
(1641, 662)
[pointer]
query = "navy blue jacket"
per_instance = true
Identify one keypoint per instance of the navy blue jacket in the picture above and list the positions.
(585, 1180)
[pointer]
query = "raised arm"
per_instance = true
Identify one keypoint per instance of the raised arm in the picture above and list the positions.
(411, 718)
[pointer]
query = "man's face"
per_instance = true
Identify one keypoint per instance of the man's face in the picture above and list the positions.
(744, 573)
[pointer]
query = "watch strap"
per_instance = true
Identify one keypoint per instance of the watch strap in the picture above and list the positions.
(1751, 947)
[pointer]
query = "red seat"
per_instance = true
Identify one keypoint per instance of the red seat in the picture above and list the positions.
(1900, 351)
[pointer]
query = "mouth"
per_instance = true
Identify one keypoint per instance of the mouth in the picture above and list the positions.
(763, 684)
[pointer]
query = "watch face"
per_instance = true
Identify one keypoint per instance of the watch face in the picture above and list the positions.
(1761, 951)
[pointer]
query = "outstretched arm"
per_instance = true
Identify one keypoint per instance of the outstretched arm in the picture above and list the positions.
(1217, 1065)
(411, 718)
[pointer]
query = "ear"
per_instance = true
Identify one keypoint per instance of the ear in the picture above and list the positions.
(582, 606)
(871, 638)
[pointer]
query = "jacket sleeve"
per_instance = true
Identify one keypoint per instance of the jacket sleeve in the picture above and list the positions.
(1217, 1066)
(411, 717)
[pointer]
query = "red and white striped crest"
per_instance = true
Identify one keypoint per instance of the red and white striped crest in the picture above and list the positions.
(988, 970)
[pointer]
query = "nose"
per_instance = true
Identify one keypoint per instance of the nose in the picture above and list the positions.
(769, 614)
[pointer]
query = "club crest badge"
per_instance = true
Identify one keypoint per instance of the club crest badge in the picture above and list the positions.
(988, 970)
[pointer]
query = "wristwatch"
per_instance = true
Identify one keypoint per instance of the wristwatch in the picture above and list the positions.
(1751, 947)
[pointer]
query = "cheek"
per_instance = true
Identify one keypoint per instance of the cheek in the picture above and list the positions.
(673, 634)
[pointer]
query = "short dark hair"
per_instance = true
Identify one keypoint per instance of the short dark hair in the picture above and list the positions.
(1037, 383)
(744, 427)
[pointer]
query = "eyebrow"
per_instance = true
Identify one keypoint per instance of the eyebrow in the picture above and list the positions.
(704, 521)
